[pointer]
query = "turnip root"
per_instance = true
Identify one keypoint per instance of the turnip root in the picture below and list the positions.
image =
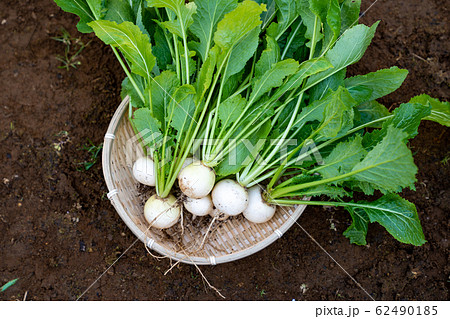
(162, 212)
(196, 180)
(258, 211)
(199, 207)
(188, 161)
(229, 197)
(144, 171)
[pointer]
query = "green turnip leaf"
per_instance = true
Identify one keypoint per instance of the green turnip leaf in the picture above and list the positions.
(338, 114)
(306, 69)
(342, 158)
(132, 43)
(287, 13)
(147, 126)
(208, 14)
(184, 19)
(240, 54)
(237, 24)
(119, 11)
(330, 15)
(162, 89)
(381, 82)
(161, 49)
(173, 5)
(311, 23)
(407, 117)
(371, 111)
(333, 82)
(183, 108)
(389, 166)
(269, 56)
(128, 89)
(230, 110)
(273, 78)
(349, 14)
(357, 231)
(206, 74)
(333, 192)
(440, 111)
(348, 50)
(81, 9)
(398, 216)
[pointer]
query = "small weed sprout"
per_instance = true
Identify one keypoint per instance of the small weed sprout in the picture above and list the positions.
(74, 47)
(446, 160)
(8, 284)
(94, 151)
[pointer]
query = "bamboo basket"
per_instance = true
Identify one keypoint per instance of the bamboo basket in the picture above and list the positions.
(233, 239)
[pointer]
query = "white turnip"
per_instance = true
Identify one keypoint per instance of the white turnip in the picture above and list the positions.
(144, 171)
(258, 210)
(196, 180)
(199, 206)
(229, 197)
(162, 212)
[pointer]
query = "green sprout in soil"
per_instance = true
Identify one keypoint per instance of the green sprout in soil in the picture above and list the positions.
(74, 47)
(94, 151)
(445, 160)
(8, 284)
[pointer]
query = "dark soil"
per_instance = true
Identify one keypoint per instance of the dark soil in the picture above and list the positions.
(58, 233)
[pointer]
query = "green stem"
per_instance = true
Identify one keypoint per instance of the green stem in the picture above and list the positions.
(291, 38)
(158, 176)
(177, 58)
(313, 40)
(282, 32)
(165, 34)
(317, 148)
(186, 51)
(260, 168)
(291, 202)
(207, 135)
(216, 116)
(127, 72)
(191, 138)
(279, 192)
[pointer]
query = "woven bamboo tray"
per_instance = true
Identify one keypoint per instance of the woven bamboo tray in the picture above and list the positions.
(233, 239)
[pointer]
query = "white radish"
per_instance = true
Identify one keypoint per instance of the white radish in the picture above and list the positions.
(162, 212)
(199, 206)
(144, 171)
(229, 197)
(258, 210)
(196, 180)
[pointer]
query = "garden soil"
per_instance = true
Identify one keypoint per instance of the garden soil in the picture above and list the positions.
(59, 233)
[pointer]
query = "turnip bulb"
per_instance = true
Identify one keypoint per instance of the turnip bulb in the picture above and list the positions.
(144, 171)
(229, 197)
(196, 180)
(162, 212)
(188, 161)
(258, 211)
(199, 206)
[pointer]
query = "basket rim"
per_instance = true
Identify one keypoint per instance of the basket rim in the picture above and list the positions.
(151, 243)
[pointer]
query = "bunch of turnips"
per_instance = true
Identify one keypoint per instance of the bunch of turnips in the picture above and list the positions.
(202, 195)
(244, 106)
